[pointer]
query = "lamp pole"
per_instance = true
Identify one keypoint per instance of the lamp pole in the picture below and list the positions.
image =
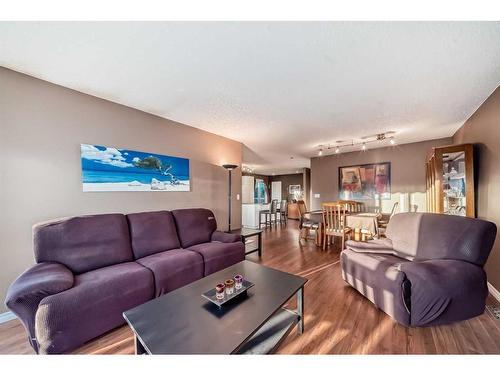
(230, 168)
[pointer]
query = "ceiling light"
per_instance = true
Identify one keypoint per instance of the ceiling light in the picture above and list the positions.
(363, 147)
(337, 150)
(393, 142)
(320, 152)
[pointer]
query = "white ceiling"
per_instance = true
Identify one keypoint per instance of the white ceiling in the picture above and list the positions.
(281, 88)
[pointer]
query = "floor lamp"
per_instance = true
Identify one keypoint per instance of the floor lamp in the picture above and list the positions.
(230, 168)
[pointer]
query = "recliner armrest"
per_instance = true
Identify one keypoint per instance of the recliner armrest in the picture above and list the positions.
(381, 246)
(219, 236)
(445, 290)
(36, 283)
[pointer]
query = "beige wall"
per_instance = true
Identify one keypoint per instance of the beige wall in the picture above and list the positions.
(41, 128)
(407, 172)
(483, 129)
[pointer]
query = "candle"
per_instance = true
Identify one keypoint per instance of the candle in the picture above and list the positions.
(238, 280)
(229, 286)
(219, 291)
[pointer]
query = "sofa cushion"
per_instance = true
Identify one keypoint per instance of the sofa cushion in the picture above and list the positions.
(152, 232)
(173, 269)
(431, 236)
(219, 255)
(379, 278)
(83, 243)
(92, 306)
(194, 225)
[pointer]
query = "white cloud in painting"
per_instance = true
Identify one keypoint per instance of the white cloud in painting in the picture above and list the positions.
(109, 155)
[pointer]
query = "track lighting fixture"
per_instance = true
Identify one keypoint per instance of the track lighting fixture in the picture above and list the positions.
(380, 138)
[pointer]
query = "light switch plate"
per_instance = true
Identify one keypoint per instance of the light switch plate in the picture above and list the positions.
(317, 195)
(237, 197)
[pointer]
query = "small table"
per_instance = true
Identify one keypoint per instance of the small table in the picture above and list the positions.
(246, 233)
(183, 322)
(365, 222)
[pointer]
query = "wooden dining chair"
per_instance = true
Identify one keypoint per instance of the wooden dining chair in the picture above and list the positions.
(334, 223)
(384, 220)
(305, 223)
(354, 207)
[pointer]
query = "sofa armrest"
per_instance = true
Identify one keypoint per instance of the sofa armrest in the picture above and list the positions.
(445, 291)
(36, 283)
(380, 246)
(219, 236)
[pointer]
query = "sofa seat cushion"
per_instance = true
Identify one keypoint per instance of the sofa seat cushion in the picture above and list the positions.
(94, 305)
(173, 269)
(219, 255)
(379, 278)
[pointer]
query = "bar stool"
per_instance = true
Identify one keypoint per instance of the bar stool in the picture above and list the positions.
(268, 214)
(283, 211)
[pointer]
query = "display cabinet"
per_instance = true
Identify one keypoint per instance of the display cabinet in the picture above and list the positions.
(450, 180)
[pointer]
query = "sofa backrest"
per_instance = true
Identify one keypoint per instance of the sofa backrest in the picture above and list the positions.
(152, 232)
(422, 236)
(194, 225)
(83, 243)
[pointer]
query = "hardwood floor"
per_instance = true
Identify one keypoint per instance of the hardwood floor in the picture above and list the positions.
(338, 320)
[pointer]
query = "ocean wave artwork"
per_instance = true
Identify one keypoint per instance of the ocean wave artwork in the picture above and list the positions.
(114, 169)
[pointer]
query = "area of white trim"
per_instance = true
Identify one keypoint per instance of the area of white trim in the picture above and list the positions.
(6, 316)
(495, 293)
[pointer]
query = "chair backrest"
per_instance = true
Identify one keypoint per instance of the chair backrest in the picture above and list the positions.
(394, 208)
(422, 236)
(274, 206)
(352, 206)
(333, 217)
(152, 232)
(301, 205)
(194, 225)
(83, 243)
(284, 206)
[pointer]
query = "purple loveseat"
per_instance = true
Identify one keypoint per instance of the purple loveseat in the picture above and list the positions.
(428, 271)
(90, 269)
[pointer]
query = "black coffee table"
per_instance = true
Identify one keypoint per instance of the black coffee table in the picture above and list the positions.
(183, 322)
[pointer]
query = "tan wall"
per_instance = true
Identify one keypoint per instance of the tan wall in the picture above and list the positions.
(407, 172)
(41, 128)
(483, 129)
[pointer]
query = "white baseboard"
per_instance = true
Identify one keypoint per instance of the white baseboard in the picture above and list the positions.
(495, 293)
(6, 316)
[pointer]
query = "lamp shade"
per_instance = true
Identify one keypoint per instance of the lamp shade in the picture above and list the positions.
(230, 167)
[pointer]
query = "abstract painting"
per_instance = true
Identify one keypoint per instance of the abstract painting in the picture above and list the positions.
(367, 181)
(113, 169)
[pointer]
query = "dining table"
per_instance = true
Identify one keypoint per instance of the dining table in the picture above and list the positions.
(364, 222)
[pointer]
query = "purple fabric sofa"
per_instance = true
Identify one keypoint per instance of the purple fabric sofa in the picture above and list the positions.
(428, 271)
(90, 269)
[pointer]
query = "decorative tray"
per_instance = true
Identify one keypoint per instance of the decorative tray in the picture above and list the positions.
(210, 295)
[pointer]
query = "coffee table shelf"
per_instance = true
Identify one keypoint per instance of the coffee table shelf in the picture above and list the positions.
(268, 338)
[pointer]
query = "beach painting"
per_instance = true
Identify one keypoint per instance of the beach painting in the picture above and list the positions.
(113, 169)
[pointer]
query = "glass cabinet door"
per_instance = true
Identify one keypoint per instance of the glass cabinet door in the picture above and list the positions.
(454, 184)
(450, 180)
